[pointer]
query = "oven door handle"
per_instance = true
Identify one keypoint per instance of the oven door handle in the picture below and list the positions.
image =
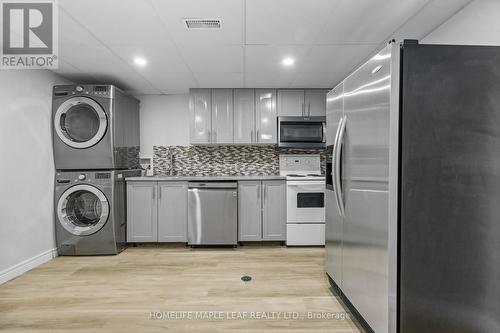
(336, 165)
(313, 188)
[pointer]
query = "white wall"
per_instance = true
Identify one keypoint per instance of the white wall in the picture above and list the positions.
(26, 171)
(476, 24)
(164, 121)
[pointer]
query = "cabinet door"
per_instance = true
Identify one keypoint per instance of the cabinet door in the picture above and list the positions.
(290, 102)
(315, 102)
(141, 212)
(249, 211)
(200, 121)
(274, 210)
(334, 111)
(222, 116)
(244, 116)
(172, 211)
(265, 116)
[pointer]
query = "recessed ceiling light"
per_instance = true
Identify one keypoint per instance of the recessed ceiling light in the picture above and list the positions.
(140, 61)
(287, 61)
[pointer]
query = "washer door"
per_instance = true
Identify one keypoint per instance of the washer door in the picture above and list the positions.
(80, 122)
(83, 210)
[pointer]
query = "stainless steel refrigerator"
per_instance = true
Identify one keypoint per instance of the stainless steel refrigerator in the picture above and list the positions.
(413, 210)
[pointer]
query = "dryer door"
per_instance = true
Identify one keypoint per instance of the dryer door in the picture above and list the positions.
(83, 210)
(80, 122)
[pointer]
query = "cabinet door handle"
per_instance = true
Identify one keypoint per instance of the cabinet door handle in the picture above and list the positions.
(302, 108)
(215, 137)
(159, 193)
(309, 109)
(257, 137)
(209, 136)
(251, 136)
(265, 193)
(258, 192)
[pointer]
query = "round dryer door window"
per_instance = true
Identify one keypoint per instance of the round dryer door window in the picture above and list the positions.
(83, 210)
(80, 122)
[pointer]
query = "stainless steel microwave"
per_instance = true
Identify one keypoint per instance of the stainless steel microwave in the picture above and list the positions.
(302, 132)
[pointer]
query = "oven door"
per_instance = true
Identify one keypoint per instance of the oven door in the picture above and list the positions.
(305, 201)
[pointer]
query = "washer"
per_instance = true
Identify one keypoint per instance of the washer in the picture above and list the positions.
(94, 127)
(90, 210)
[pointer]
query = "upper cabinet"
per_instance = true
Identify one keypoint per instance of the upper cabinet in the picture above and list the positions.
(315, 102)
(290, 102)
(244, 116)
(200, 109)
(265, 116)
(302, 103)
(334, 112)
(222, 116)
(248, 116)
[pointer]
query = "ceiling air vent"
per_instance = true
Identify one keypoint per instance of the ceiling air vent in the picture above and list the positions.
(202, 24)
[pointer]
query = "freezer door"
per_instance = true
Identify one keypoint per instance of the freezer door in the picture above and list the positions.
(450, 189)
(365, 189)
(333, 225)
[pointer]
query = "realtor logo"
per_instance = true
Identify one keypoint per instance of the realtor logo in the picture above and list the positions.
(29, 39)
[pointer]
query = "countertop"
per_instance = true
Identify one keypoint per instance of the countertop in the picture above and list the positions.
(202, 178)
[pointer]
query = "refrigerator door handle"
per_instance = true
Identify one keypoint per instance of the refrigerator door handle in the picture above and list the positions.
(336, 162)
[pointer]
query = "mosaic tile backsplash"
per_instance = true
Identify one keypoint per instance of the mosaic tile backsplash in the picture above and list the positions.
(223, 160)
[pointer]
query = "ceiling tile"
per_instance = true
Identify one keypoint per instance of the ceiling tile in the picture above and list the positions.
(206, 58)
(219, 80)
(263, 58)
(367, 21)
(118, 22)
(269, 79)
(163, 58)
(286, 21)
(91, 59)
(230, 12)
(167, 80)
(317, 79)
(335, 58)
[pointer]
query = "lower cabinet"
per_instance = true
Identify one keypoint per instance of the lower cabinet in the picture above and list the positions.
(261, 210)
(156, 211)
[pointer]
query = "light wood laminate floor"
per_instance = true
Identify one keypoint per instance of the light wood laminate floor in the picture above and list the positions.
(118, 293)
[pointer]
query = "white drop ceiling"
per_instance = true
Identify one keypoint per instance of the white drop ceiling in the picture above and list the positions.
(98, 40)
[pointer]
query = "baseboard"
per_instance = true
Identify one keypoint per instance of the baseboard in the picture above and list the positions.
(26, 265)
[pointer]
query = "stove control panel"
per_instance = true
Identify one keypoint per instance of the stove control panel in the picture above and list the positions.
(300, 164)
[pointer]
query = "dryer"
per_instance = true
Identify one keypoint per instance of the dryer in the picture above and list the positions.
(90, 211)
(94, 127)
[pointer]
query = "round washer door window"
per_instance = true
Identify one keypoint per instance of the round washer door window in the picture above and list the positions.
(83, 210)
(80, 122)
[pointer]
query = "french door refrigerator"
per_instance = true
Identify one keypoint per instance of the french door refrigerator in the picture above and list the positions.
(413, 221)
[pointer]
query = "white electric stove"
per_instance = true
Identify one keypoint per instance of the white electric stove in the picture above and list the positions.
(305, 192)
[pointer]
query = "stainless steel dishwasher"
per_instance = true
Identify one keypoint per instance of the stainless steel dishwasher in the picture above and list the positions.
(213, 213)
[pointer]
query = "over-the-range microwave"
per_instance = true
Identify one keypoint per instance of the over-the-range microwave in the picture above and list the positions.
(302, 132)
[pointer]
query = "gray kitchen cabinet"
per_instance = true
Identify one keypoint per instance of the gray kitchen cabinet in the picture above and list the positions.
(141, 212)
(262, 210)
(315, 102)
(200, 113)
(244, 116)
(265, 116)
(222, 116)
(274, 210)
(290, 102)
(172, 211)
(335, 107)
(249, 211)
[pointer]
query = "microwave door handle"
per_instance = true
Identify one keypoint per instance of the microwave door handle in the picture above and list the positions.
(324, 133)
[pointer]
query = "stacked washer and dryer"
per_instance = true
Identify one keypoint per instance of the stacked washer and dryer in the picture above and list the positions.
(96, 146)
